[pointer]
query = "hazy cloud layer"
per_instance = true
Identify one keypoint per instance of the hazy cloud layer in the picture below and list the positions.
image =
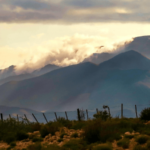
(74, 11)
(69, 50)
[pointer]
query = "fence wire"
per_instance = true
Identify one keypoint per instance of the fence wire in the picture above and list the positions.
(115, 111)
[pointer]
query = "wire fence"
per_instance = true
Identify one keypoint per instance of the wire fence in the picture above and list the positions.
(128, 111)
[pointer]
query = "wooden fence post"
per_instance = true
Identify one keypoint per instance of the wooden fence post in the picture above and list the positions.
(136, 111)
(26, 118)
(56, 115)
(78, 114)
(9, 116)
(35, 118)
(87, 114)
(66, 115)
(2, 117)
(45, 117)
(121, 110)
(97, 110)
(17, 118)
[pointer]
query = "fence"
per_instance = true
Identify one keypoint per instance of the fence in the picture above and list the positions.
(128, 111)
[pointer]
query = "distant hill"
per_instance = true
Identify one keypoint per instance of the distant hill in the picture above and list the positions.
(8, 74)
(124, 78)
(98, 58)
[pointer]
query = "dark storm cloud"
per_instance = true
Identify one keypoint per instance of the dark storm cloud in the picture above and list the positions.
(74, 11)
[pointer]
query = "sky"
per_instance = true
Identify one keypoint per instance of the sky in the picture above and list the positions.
(34, 33)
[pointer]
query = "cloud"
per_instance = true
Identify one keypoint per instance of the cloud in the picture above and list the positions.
(74, 11)
(67, 51)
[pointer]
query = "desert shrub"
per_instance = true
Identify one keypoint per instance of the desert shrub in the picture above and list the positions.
(78, 125)
(36, 146)
(139, 147)
(64, 122)
(129, 136)
(142, 139)
(74, 135)
(21, 135)
(145, 114)
(101, 114)
(124, 143)
(102, 131)
(37, 139)
(60, 140)
(35, 127)
(13, 144)
(10, 127)
(148, 144)
(49, 128)
(103, 147)
(62, 135)
(74, 145)
(9, 138)
(51, 147)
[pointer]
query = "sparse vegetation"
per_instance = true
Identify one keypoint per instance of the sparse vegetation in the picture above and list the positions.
(96, 134)
(145, 114)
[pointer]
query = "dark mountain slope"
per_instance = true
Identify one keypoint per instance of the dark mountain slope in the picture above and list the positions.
(84, 85)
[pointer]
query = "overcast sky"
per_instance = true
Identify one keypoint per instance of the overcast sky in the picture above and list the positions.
(63, 32)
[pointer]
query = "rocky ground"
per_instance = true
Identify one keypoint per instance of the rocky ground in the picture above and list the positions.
(62, 137)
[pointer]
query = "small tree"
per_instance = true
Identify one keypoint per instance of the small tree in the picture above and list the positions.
(101, 114)
(145, 114)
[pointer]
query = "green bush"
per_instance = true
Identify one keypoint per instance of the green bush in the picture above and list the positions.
(37, 139)
(103, 147)
(129, 136)
(62, 135)
(35, 127)
(64, 122)
(78, 125)
(139, 147)
(101, 131)
(142, 139)
(21, 135)
(101, 114)
(60, 140)
(74, 145)
(124, 143)
(148, 144)
(74, 135)
(145, 114)
(9, 138)
(49, 128)
(36, 146)
(51, 147)
(13, 144)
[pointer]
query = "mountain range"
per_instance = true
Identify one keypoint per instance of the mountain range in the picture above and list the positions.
(9, 74)
(124, 78)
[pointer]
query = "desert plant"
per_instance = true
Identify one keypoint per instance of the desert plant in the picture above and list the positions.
(62, 135)
(37, 139)
(74, 135)
(13, 144)
(64, 122)
(148, 144)
(145, 114)
(9, 138)
(129, 136)
(74, 145)
(36, 146)
(123, 143)
(60, 140)
(101, 114)
(21, 135)
(103, 147)
(142, 139)
(49, 128)
(139, 147)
